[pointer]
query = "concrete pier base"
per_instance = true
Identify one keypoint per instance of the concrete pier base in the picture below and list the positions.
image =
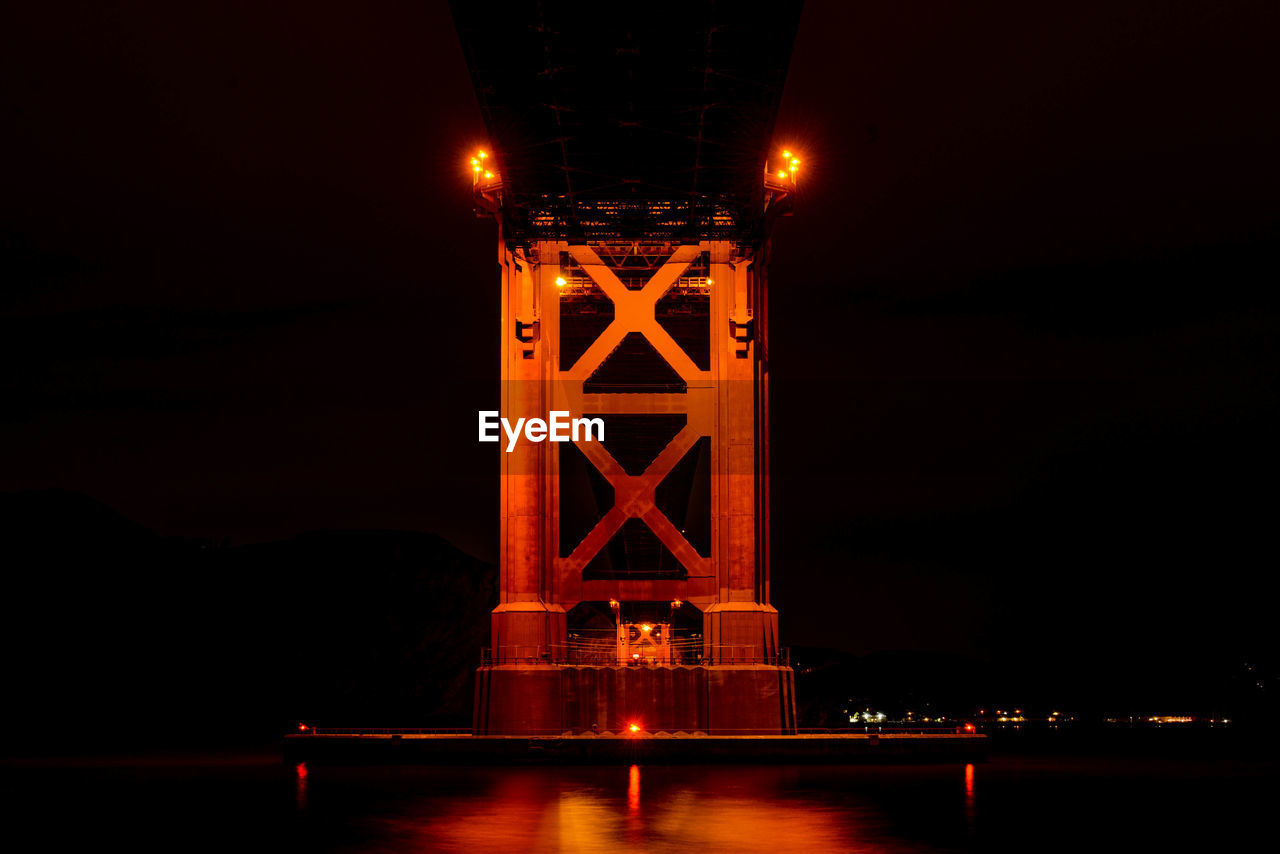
(655, 749)
(552, 699)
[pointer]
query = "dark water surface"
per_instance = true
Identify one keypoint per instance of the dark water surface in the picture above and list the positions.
(252, 803)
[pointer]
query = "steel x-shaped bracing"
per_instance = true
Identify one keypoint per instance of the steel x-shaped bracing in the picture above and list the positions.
(634, 494)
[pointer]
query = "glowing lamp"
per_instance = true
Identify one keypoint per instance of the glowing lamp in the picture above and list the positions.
(483, 155)
(302, 727)
(646, 627)
(475, 168)
(710, 281)
(782, 174)
(634, 727)
(488, 174)
(786, 154)
(560, 283)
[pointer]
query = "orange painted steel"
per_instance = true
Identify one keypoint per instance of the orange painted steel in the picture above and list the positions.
(540, 688)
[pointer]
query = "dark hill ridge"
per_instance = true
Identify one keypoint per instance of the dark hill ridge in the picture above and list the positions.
(45, 517)
(391, 621)
(116, 636)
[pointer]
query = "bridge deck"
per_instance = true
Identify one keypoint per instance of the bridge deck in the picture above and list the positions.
(659, 100)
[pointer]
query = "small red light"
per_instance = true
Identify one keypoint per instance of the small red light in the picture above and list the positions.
(302, 727)
(970, 728)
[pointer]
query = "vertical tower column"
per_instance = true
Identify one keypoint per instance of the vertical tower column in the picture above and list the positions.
(527, 625)
(741, 626)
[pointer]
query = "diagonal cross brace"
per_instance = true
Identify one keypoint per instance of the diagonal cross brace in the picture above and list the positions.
(634, 494)
(633, 311)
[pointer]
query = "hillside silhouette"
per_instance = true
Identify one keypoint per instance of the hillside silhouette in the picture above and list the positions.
(116, 637)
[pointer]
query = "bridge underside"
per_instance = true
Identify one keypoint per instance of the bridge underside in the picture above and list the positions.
(593, 104)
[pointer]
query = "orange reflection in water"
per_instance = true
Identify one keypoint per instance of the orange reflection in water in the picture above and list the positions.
(722, 810)
(633, 789)
(969, 811)
(300, 776)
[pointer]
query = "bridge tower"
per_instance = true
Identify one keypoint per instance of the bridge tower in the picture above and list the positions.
(634, 183)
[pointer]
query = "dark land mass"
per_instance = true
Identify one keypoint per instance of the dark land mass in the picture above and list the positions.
(117, 637)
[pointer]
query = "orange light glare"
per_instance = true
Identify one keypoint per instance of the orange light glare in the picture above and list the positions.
(645, 627)
(560, 282)
(786, 154)
(782, 174)
(634, 727)
(488, 174)
(475, 168)
(710, 281)
(483, 155)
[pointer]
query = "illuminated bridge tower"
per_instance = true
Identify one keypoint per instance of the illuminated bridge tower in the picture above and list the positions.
(631, 170)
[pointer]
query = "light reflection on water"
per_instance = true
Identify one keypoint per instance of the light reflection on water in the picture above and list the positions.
(1010, 804)
(300, 775)
(633, 789)
(970, 811)
(654, 809)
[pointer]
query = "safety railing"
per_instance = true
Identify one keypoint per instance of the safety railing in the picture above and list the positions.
(624, 730)
(890, 729)
(304, 729)
(591, 654)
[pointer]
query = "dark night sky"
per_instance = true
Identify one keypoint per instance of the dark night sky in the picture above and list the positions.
(1024, 321)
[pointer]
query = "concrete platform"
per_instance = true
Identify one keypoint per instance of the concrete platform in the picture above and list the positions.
(733, 699)
(643, 748)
